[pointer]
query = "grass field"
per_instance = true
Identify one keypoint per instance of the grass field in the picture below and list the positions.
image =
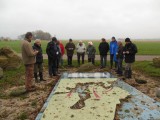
(144, 47)
(13, 77)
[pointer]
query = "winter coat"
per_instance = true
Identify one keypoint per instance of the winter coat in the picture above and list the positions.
(52, 50)
(70, 47)
(103, 48)
(81, 49)
(39, 56)
(28, 55)
(120, 52)
(113, 47)
(91, 51)
(130, 58)
(62, 48)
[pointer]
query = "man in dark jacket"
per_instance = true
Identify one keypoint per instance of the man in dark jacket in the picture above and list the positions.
(103, 49)
(38, 66)
(129, 51)
(53, 53)
(70, 47)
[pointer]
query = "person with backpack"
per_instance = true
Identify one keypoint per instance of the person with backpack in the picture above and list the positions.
(129, 51)
(70, 47)
(38, 66)
(103, 49)
(52, 51)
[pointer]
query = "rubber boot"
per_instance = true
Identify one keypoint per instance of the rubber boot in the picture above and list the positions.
(129, 73)
(126, 73)
(41, 76)
(36, 77)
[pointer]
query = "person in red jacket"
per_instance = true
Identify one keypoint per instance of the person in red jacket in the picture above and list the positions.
(62, 53)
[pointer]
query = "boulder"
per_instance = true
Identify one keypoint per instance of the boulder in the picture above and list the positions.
(9, 59)
(156, 62)
(1, 72)
(86, 67)
(158, 93)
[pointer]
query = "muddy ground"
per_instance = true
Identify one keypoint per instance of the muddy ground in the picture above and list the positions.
(27, 106)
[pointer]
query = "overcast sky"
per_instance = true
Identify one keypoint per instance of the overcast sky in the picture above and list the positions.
(81, 19)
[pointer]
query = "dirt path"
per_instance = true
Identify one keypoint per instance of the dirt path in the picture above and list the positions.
(138, 57)
(28, 106)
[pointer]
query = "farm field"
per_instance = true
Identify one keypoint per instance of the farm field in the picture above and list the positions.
(144, 47)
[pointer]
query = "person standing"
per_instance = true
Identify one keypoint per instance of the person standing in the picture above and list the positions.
(38, 66)
(91, 52)
(120, 58)
(113, 51)
(129, 51)
(59, 56)
(62, 52)
(81, 48)
(103, 49)
(28, 57)
(70, 47)
(53, 53)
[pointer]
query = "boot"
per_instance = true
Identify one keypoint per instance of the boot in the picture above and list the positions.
(36, 77)
(129, 73)
(41, 76)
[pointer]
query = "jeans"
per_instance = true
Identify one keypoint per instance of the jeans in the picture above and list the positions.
(111, 61)
(79, 55)
(52, 66)
(91, 60)
(69, 60)
(103, 60)
(120, 69)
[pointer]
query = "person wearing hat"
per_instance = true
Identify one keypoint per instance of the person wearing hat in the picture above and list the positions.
(113, 51)
(70, 47)
(129, 51)
(81, 48)
(52, 51)
(28, 57)
(91, 52)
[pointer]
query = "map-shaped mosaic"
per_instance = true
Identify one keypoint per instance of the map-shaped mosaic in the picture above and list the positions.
(84, 99)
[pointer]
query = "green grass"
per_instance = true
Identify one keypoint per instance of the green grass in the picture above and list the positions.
(144, 47)
(13, 77)
(147, 68)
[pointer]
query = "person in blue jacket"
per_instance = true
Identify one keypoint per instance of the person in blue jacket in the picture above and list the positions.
(113, 51)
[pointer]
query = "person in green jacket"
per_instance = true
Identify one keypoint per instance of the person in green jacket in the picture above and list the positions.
(91, 52)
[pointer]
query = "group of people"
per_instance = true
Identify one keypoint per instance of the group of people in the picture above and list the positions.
(33, 58)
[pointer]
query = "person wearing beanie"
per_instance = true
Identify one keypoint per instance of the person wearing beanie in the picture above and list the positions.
(129, 52)
(103, 50)
(53, 53)
(91, 52)
(28, 57)
(70, 47)
(38, 66)
(113, 51)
